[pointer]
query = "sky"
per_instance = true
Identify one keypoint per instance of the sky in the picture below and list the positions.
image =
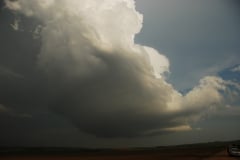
(119, 73)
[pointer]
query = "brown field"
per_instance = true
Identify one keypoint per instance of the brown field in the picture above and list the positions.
(185, 153)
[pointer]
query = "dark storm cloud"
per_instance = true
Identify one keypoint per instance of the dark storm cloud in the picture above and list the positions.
(89, 70)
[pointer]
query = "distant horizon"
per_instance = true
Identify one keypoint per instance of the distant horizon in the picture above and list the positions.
(136, 147)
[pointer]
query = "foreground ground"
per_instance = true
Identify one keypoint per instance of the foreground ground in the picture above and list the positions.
(212, 151)
(154, 156)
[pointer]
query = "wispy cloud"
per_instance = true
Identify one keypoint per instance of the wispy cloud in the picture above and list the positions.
(15, 24)
(236, 69)
(10, 112)
(6, 72)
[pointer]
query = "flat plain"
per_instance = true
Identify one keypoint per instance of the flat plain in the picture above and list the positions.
(206, 151)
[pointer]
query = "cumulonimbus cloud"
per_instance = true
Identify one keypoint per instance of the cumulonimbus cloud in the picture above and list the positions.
(102, 81)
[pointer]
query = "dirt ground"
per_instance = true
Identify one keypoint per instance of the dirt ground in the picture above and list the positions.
(155, 155)
(222, 156)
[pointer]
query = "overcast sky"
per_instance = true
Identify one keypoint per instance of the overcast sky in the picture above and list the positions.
(94, 73)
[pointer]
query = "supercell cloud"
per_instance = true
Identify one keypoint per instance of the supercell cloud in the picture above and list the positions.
(99, 79)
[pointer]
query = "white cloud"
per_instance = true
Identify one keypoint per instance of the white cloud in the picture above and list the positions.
(159, 63)
(13, 5)
(101, 80)
(179, 128)
(15, 24)
(236, 69)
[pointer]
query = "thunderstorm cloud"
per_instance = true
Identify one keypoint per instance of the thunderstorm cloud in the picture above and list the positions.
(91, 71)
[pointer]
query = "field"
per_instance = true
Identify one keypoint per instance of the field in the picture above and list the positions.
(206, 151)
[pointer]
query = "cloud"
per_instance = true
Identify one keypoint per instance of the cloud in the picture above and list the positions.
(236, 69)
(6, 111)
(3, 108)
(6, 72)
(99, 79)
(15, 25)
